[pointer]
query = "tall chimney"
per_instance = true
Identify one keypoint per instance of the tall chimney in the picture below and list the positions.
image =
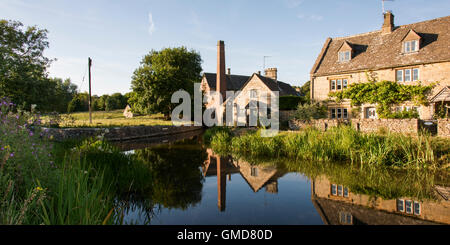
(221, 82)
(271, 73)
(388, 25)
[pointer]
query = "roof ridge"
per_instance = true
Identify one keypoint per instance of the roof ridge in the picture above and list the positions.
(400, 26)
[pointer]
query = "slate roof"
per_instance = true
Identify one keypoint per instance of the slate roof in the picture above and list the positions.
(237, 82)
(375, 50)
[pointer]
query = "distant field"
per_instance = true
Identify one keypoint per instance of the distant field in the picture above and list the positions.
(108, 119)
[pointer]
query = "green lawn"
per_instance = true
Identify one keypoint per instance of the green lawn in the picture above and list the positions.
(108, 119)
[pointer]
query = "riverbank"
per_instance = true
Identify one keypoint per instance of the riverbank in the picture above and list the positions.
(342, 144)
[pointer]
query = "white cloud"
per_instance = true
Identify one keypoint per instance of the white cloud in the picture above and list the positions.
(151, 28)
(294, 3)
(312, 17)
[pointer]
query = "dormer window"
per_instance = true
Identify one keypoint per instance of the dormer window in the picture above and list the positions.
(344, 56)
(345, 52)
(411, 42)
(411, 46)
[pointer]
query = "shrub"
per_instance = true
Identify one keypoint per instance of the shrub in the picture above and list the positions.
(308, 112)
(290, 102)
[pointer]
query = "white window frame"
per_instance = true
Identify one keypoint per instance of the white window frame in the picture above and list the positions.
(408, 78)
(406, 206)
(344, 56)
(411, 46)
(333, 85)
(334, 187)
(402, 206)
(399, 79)
(418, 74)
(344, 83)
(339, 84)
(414, 208)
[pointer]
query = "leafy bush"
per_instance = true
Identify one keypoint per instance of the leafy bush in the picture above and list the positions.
(308, 112)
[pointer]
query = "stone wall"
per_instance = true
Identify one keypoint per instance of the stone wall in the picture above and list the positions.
(286, 115)
(407, 126)
(117, 134)
(322, 124)
(444, 127)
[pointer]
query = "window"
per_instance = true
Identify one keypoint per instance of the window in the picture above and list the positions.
(338, 84)
(253, 94)
(339, 113)
(345, 218)
(333, 190)
(400, 205)
(339, 190)
(411, 46)
(407, 75)
(400, 75)
(415, 74)
(416, 208)
(254, 172)
(344, 56)
(408, 206)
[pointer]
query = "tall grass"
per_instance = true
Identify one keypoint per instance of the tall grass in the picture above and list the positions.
(341, 144)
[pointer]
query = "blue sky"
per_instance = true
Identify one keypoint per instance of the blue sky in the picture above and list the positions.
(118, 33)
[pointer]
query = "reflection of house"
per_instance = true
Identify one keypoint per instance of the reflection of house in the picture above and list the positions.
(253, 87)
(338, 205)
(257, 177)
(408, 54)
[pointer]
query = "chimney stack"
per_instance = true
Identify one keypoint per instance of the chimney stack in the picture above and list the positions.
(229, 71)
(221, 82)
(388, 25)
(271, 73)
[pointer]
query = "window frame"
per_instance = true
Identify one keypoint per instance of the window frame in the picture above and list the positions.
(412, 45)
(413, 76)
(344, 56)
(402, 205)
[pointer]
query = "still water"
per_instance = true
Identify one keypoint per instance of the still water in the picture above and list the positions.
(194, 186)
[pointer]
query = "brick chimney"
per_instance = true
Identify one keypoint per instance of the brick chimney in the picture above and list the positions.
(388, 25)
(271, 73)
(221, 82)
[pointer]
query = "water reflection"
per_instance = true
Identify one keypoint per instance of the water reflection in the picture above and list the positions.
(193, 185)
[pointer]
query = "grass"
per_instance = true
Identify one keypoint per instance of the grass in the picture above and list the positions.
(107, 119)
(343, 144)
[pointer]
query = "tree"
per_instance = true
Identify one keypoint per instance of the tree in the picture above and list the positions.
(305, 91)
(161, 74)
(23, 75)
(79, 103)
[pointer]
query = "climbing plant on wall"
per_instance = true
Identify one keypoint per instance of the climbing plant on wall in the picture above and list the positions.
(385, 94)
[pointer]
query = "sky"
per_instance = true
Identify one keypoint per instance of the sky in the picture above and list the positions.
(117, 34)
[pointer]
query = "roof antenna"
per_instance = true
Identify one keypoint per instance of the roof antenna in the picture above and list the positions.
(264, 62)
(382, 2)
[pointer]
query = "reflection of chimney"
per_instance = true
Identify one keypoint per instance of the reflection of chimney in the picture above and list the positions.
(229, 71)
(272, 187)
(271, 73)
(221, 82)
(388, 25)
(221, 183)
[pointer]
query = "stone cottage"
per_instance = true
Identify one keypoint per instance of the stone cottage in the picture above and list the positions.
(252, 87)
(408, 54)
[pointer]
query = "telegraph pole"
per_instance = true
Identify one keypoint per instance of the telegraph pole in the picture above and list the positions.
(90, 95)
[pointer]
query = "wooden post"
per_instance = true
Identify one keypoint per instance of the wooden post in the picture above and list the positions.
(90, 95)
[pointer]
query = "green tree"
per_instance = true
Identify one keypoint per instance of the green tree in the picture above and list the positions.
(161, 74)
(23, 67)
(79, 103)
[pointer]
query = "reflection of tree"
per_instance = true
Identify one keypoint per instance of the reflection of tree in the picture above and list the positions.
(176, 177)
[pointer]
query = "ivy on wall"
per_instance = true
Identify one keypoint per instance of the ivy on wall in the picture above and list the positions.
(385, 94)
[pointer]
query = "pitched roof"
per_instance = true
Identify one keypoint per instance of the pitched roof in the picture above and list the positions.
(238, 82)
(234, 82)
(375, 50)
